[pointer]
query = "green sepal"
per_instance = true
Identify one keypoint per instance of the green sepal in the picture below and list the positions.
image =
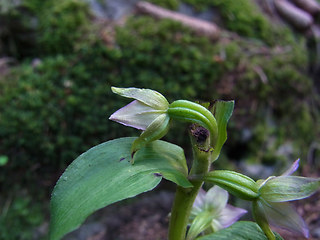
(103, 175)
(199, 224)
(288, 188)
(237, 184)
(149, 97)
(156, 130)
(242, 230)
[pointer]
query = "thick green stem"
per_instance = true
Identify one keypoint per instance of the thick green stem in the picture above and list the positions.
(185, 197)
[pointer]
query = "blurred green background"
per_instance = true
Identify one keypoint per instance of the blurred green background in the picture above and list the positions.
(58, 60)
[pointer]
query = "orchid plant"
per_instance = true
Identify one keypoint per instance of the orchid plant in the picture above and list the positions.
(125, 167)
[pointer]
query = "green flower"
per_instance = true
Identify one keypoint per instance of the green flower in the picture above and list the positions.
(151, 112)
(272, 205)
(148, 112)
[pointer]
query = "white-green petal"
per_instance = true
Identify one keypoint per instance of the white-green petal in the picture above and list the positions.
(288, 188)
(136, 114)
(216, 199)
(198, 204)
(147, 96)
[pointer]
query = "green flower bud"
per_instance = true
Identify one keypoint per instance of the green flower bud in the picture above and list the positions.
(195, 113)
(236, 183)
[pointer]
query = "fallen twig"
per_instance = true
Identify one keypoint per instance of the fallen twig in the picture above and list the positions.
(297, 17)
(200, 26)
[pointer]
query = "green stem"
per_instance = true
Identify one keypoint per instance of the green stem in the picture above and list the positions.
(185, 197)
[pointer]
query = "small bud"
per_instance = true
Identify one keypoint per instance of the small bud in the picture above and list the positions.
(236, 183)
(195, 113)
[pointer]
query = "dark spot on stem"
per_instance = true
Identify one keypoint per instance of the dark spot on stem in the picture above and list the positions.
(200, 133)
(121, 159)
(158, 174)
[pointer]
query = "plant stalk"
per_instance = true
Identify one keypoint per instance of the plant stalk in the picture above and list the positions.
(185, 197)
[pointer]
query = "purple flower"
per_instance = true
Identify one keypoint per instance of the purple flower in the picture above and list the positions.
(210, 212)
(272, 205)
(148, 112)
(143, 111)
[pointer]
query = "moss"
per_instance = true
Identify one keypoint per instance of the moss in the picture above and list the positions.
(61, 24)
(61, 106)
(35, 28)
(17, 31)
(170, 4)
(243, 17)
(199, 5)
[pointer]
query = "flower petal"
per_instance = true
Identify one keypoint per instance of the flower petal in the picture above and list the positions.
(147, 96)
(288, 188)
(292, 168)
(135, 114)
(198, 204)
(216, 199)
(284, 216)
(230, 214)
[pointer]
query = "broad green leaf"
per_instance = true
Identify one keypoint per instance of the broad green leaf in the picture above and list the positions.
(288, 188)
(222, 112)
(242, 230)
(104, 175)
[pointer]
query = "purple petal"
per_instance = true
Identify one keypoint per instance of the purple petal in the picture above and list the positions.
(292, 168)
(230, 215)
(216, 199)
(284, 216)
(136, 115)
(198, 204)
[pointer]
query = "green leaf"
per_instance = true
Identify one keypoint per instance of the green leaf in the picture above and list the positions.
(242, 230)
(222, 112)
(104, 175)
